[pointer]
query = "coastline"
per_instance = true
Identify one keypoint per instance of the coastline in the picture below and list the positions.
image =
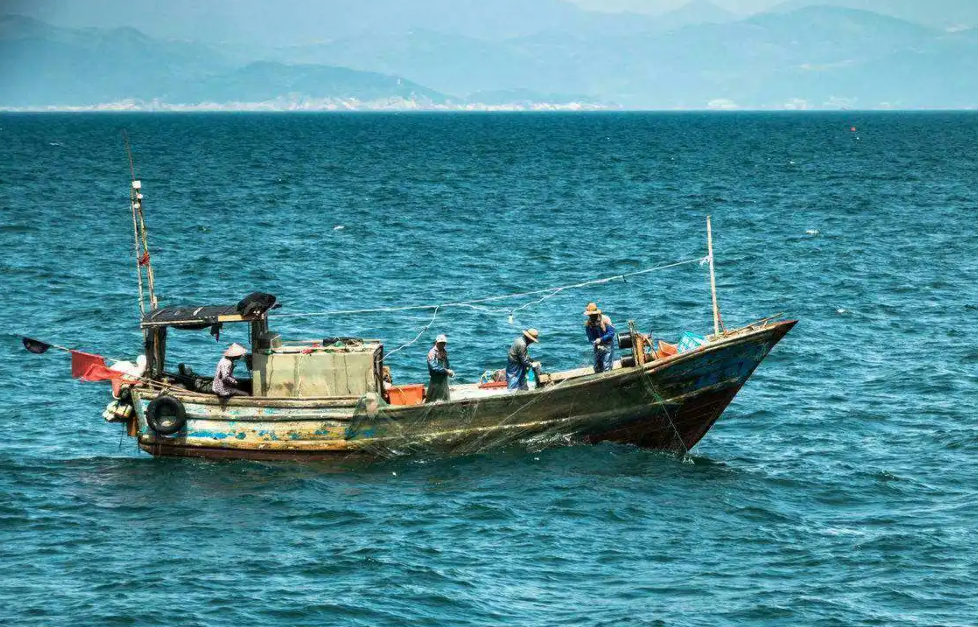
(399, 105)
(310, 105)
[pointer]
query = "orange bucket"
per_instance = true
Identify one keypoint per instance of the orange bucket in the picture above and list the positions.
(406, 394)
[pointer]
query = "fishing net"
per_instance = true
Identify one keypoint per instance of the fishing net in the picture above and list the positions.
(644, 406)
(628, 404)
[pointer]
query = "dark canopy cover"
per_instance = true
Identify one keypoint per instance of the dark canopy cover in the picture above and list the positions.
(189, 317)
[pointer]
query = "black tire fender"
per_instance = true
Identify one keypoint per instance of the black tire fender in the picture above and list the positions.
(166, 415)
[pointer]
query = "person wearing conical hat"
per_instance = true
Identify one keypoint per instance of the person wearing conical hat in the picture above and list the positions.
(518, 363)
(225, 385)
(601, 333)
(439, 371)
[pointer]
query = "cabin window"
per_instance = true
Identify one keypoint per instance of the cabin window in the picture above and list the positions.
(192, 355)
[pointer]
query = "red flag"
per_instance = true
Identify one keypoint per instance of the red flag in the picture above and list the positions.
(144, 260)
(88, 367)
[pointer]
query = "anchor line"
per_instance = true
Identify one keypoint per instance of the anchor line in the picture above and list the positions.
(665, 410)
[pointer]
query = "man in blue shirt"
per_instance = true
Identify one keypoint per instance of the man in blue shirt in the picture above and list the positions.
(601, 333)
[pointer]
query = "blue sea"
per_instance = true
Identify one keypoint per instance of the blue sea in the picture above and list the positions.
(839, 488)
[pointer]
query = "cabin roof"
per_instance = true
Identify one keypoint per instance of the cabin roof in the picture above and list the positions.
(195, 317)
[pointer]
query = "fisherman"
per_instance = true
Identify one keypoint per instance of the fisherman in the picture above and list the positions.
(225, 385)
(518, 362)
(439, 371)
(601, 333)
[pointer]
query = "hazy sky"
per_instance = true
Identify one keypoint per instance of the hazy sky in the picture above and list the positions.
(489, 51)
(742, 7)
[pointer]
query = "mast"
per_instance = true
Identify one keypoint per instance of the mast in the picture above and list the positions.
(133, 193)
(145, 259)
(713, 280)
(141, 243)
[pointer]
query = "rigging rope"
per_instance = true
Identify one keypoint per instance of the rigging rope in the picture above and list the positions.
(423, 330)
(473, 304)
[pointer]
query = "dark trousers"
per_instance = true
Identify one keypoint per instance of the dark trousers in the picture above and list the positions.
(604, 357)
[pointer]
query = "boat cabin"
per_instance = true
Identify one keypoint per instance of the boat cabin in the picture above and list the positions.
(337, 366)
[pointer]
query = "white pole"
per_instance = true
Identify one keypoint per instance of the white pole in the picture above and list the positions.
(133, 193)
(713, 280)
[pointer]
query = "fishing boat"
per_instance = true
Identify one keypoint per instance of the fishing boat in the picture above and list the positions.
(314, 400)
(328, 398)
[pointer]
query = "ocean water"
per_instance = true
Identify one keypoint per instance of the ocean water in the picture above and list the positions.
(840, 487)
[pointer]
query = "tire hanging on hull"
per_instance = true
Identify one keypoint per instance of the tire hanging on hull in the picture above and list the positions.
(166, 415)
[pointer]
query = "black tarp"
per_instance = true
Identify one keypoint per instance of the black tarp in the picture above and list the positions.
(253, 306)
(188, 317)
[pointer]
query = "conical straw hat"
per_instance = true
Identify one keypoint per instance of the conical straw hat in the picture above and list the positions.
(236, 350)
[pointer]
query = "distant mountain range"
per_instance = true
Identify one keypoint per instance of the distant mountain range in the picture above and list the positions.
(940, 14)
(458, 54)
(261, 24)
(121, 68)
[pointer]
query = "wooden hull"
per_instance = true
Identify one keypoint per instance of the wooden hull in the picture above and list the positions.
(669, 404)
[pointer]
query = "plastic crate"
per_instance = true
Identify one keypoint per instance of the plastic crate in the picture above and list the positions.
(406, 394)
